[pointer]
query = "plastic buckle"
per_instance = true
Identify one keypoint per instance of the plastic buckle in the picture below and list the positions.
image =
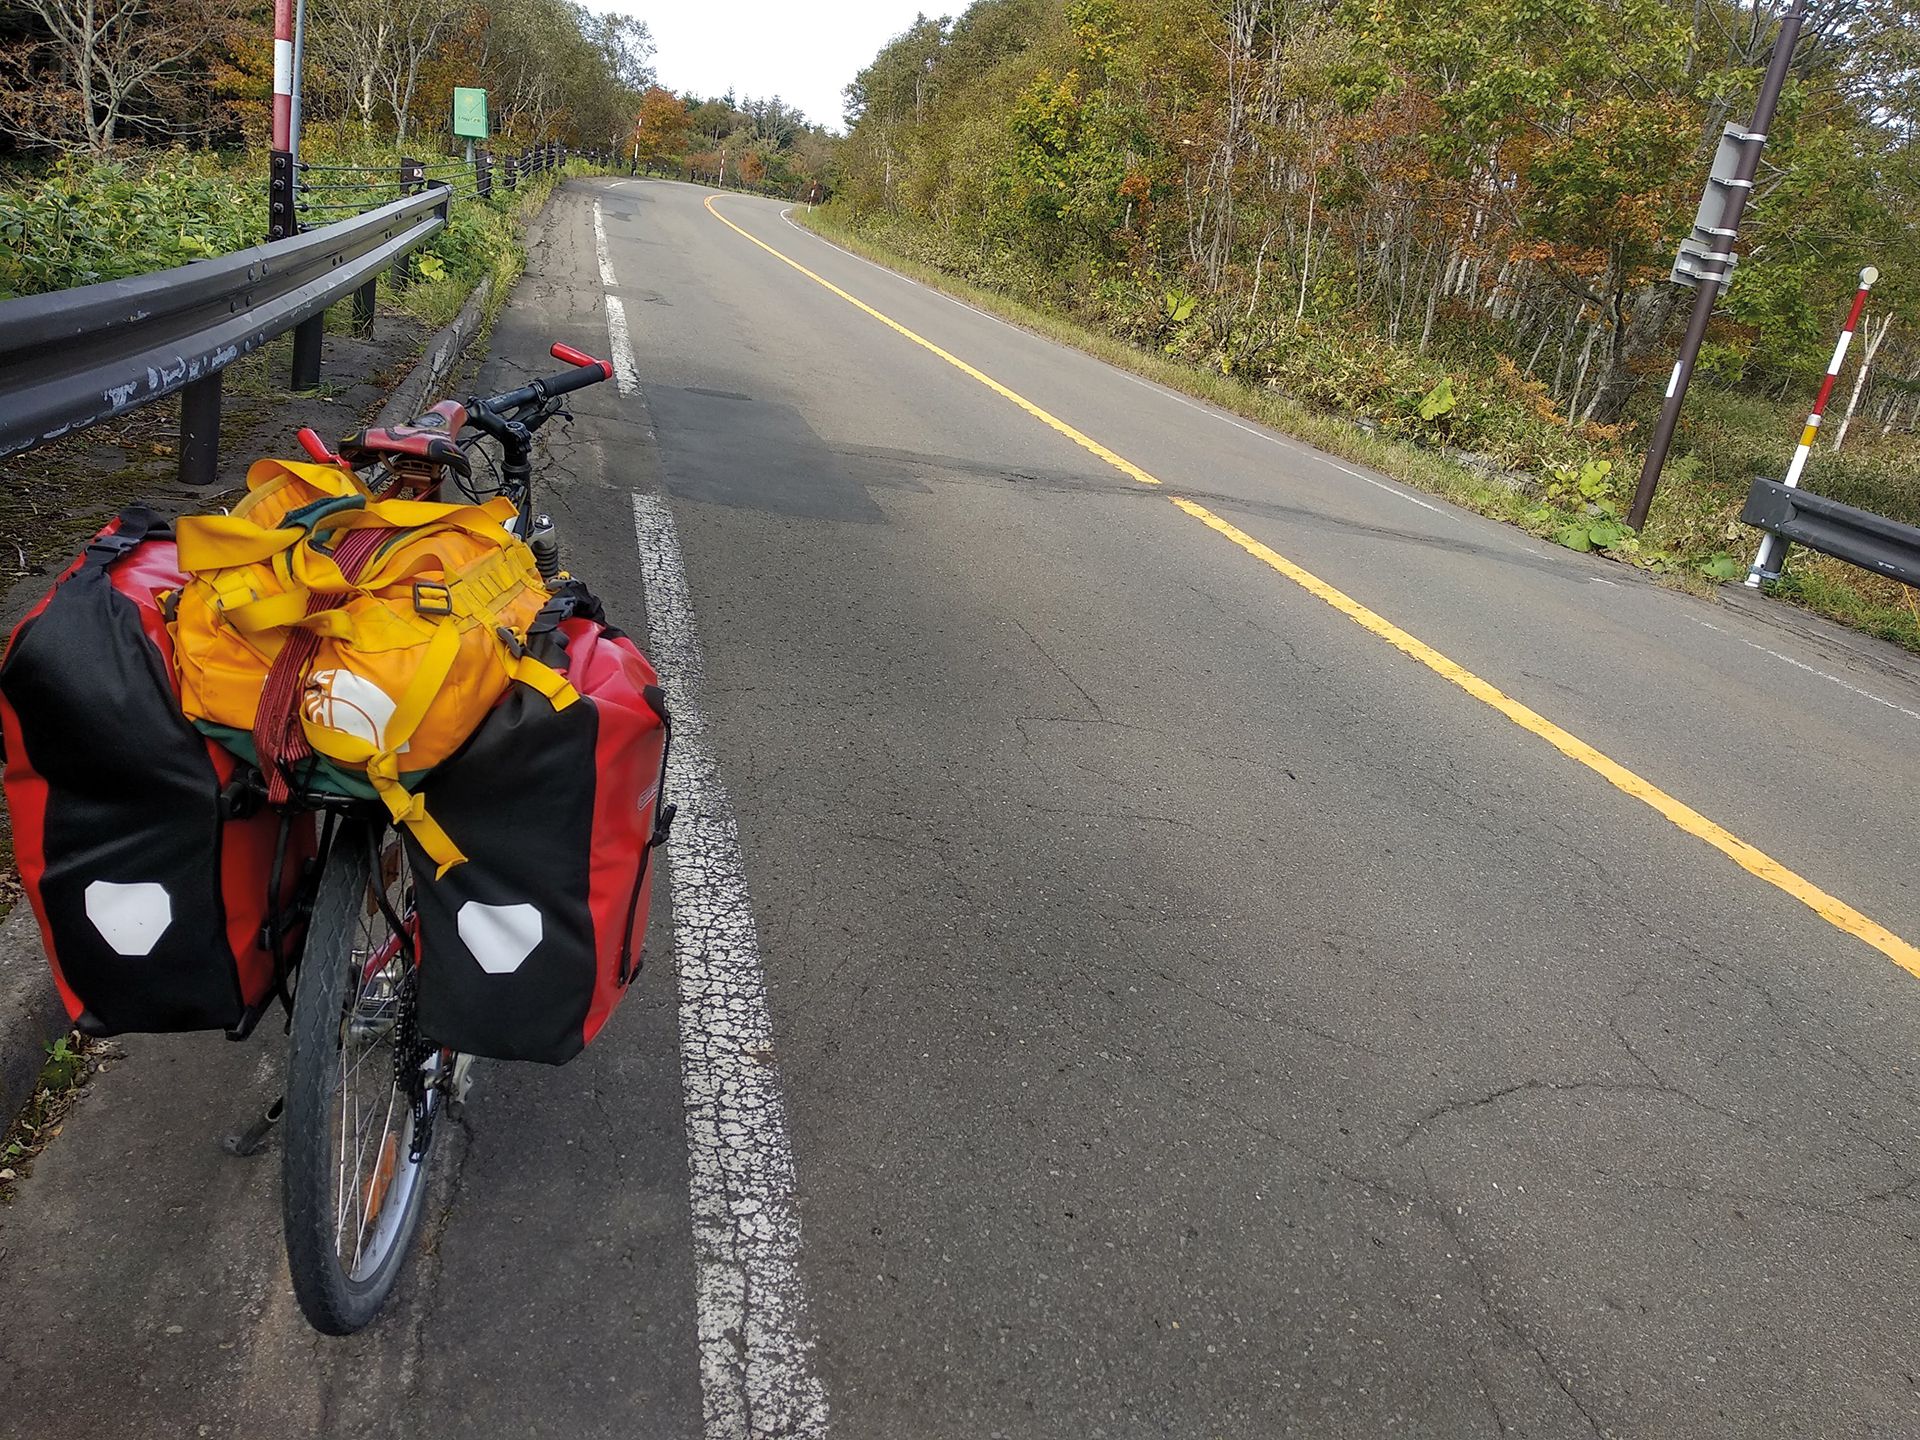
(511, 641)
(108, 548)
(424, 602)
(560, 607)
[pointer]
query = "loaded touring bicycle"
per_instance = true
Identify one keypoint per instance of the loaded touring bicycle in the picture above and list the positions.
(359, 749)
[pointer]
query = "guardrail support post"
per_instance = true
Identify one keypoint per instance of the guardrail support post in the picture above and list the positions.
(483, 174)
(281, 221)
(306, 351)
(413, 179)
(363, 310)
(200, 431)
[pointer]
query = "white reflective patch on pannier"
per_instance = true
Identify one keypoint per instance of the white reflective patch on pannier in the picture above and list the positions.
(130, 918)
(500, 937)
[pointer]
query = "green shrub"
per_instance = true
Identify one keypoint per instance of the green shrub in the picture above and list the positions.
(82, 222)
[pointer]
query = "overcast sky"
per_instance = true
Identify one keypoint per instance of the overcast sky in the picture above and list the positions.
(804, 53)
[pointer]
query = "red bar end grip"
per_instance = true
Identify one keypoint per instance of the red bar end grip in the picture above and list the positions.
(580, 357)
(311, 442)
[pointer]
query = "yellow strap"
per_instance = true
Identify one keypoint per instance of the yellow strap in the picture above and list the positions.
(328, 479)
(402, 560)
(426, 830)
(222, 542)
(251, 613)
(234, 588)
(332, 624)
(303, 575)
(219, 542)
(428, 679)
(382, 766)
(544, 678)
(486, 521)
(408, 711)
(410, 810)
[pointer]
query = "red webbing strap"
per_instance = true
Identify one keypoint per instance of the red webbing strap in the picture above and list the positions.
(277, 737)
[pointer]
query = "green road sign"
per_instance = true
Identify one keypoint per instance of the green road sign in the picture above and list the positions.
(470, 113)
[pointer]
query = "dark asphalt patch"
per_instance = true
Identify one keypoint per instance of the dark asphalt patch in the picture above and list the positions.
(721, 448)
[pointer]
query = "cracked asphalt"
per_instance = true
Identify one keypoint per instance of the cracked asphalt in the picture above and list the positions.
(1194, 1017)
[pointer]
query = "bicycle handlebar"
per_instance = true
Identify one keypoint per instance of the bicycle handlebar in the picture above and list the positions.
(581, 359)
(586, 371)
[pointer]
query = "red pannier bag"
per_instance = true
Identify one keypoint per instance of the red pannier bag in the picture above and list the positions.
(528, 944)
(145, 863)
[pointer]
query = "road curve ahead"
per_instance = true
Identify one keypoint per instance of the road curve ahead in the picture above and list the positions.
(1170, 936)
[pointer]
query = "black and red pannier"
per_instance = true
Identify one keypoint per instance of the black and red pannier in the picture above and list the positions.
(140, 854)
(528, 945)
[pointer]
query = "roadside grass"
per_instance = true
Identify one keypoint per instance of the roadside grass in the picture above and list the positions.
(72, 1061)
(1880, 607)
(1693, 539)
(76, 223)
(9, 875)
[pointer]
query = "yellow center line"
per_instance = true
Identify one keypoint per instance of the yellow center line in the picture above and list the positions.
(1754, 861)
(1123, 465)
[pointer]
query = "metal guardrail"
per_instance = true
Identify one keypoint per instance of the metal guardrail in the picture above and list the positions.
(75, 357)
(1860, 537)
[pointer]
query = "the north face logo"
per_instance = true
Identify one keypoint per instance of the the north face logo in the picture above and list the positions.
(341, 700)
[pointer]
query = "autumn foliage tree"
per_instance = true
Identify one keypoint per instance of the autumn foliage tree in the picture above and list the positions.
(1499, 181)
(660, 128)
(85, 75)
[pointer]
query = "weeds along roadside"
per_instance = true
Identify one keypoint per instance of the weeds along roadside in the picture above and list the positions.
(71, 1062)
(1482, 439)
(78, 222)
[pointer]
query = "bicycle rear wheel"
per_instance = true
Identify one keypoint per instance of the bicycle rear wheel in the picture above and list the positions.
(359, 1116)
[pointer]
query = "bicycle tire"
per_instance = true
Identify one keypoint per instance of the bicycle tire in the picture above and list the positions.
(337, 1298)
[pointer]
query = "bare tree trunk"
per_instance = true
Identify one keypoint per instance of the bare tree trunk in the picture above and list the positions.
(1893, 415)
(1433, 304)
(1546, 329)
(1306, 260)
(1874, 337)
(1580, 377)
(1640, 320)
(1560, 366)
(1259, 263)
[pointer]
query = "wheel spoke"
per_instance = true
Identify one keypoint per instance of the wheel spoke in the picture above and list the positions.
(345, 1093)
(364, 1200)
(369, 1120)
(370, 1031)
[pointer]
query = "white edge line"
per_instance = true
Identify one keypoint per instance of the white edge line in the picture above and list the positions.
(626, 370)
(755, 1344)
(1810, 669)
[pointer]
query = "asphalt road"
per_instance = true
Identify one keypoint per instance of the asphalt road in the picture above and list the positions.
(1186, 1013)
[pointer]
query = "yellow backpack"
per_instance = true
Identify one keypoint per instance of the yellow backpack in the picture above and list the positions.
(375, 634)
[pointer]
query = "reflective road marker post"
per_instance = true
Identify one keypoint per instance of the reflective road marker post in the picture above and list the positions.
(1773, 550)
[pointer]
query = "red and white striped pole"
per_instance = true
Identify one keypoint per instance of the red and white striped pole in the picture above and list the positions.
(1773, 550)
(280, 212)
(283, 74)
